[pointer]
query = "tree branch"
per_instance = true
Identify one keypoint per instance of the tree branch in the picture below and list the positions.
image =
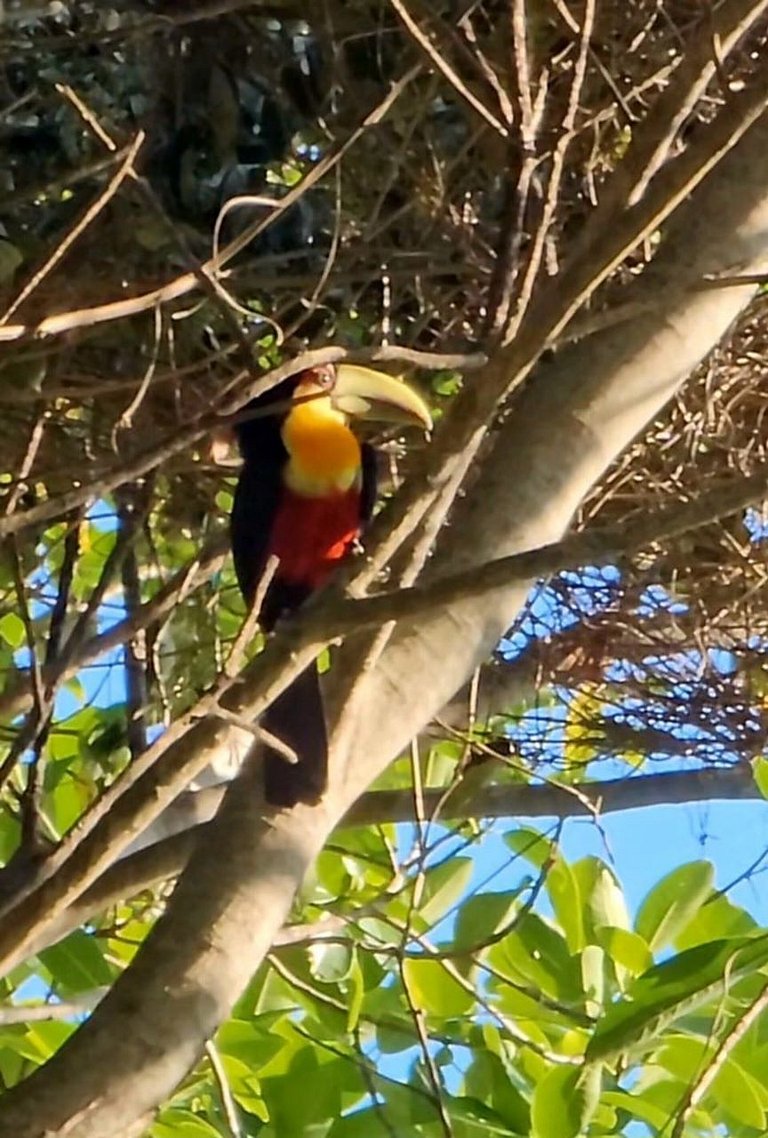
(592, 547)
(167, 857)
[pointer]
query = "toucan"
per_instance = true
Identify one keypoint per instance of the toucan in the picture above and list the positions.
(306, 489)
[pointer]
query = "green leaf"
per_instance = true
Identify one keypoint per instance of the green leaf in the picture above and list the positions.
(738, 1096)
(672, 989)
(626, 949)
(10, 834)
(12, 630)
(564, 1102)
(44, 1039)
(10, 259)
(444, 886)
(392, 1040)
(77, 963)
(481, 916)
(245, 1086)
(667, 1094)
(224, 499)
(593, 977)
(90, 566)
(605, 901)
(355, 993)
(360, 1124)
(639, 1107)
(331, 877)
(330, 963)
(309, 1093)
(175, 1123)
(434, 990)
(717, 918)
(441, 762)
(66, 803)
(565, 895)
(760, 772)
(530, 844)
(12, 1065)
(252, 1041)
(472, 1118)
(490, 1080)
(584, 733)
(672, 903)
(446, 383)
(381, 932)
(537, 954)
(62, 745)
(406, 1107)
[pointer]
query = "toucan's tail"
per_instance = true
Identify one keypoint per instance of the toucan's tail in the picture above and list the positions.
(297, 718)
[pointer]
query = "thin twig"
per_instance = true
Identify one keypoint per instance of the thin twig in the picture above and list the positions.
(430, 1068)
(698, 1089)
(188, 282)
(601, 546)
(552, 195)
(135, 468)
(28, 461)
(461, 435)
(443, 66)
(522, 151)
(131, 508)
(82, 649)
(699, 66)
(287, 753)
(77, 230)
(228, 1104)
(245, 635)
(39, 1013)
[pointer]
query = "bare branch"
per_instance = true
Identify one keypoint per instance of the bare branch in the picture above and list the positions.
(166, 858)
(435, 57)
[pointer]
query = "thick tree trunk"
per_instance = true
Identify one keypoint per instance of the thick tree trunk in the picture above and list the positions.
(576, 415)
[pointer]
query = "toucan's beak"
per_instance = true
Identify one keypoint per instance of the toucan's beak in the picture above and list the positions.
(363, 393)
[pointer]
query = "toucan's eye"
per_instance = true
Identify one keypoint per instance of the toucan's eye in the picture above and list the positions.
(324, 378)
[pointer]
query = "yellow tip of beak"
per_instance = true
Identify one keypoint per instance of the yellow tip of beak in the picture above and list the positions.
(363, 393)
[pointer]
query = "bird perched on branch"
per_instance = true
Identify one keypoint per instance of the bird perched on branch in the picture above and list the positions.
(306, 489)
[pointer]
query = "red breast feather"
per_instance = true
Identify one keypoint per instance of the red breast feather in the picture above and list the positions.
(311, 535)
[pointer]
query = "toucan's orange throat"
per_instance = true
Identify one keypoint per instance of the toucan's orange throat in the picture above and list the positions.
(323, 453)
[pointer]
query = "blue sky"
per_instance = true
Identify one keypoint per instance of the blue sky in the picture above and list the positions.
(645, 844)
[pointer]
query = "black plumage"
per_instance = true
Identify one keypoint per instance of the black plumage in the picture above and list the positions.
(296, 716)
